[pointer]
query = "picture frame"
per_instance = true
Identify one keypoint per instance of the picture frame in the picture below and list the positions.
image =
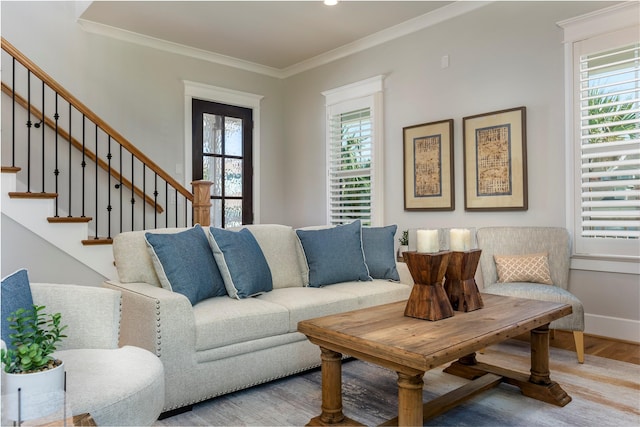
(428, 166)
(495, 161)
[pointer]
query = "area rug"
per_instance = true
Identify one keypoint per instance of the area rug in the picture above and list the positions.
(604, 393)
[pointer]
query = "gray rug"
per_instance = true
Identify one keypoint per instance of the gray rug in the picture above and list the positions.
(605, 393)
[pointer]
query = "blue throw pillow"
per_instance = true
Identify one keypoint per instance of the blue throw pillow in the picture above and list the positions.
(184, 263)
(16, 294)
(377, 244)
(243, 266)
(334, 254)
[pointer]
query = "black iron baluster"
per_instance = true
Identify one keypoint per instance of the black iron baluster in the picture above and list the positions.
(155, 201)
(186, 201)
(176, 197)
(95, 216)
(70, 139)
(56, 171)
(28, 131)
(13, 113)
(37, 126)
(144, 193)
(109, 187)
(133, 200)
(166, 200)
(83, 164)
(120, 187)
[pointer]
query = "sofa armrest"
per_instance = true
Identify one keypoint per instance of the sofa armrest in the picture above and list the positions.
(91, 313)
(156, 319)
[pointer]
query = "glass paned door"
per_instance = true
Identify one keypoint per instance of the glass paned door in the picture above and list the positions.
(222, 154)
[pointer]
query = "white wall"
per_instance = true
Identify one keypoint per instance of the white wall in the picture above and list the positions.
(504, 55)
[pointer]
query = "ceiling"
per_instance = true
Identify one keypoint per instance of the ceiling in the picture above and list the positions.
(274, 35)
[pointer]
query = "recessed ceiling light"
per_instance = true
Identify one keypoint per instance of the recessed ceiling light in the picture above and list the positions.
(331, 2)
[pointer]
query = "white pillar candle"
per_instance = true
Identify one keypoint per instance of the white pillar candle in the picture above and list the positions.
(459, 239)
(427, 241)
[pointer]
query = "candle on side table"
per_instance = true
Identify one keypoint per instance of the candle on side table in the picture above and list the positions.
(427, 241)
(459, 239)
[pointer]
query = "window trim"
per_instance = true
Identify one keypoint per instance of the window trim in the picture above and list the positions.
(366, 92)
(223, 96)
(597, 23)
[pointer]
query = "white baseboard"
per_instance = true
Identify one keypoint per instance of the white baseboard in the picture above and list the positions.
(613, 327)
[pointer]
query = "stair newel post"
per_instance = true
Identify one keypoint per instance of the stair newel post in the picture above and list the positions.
(202, 202)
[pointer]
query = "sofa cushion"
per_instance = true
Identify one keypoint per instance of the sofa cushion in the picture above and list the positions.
(334, 254)
(283, 252)
(379, 253)
(223, 321)
(184, 263)
(243, 266)
(309, 302)
(375, 292)
(523, 268)
(16, 294)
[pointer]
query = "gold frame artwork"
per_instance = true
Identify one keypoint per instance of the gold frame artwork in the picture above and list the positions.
(495, 161)
(428, 166)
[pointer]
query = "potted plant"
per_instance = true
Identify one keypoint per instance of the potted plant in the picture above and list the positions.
(32, 379)
(404, 244)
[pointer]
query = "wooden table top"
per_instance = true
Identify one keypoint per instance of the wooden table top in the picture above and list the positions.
(385, 336)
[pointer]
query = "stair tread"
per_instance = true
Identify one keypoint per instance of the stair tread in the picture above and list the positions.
(66, 219)
(30, 195)
(97, 241)
(10, 169)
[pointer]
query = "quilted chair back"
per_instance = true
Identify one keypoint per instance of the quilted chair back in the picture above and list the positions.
(524, 241)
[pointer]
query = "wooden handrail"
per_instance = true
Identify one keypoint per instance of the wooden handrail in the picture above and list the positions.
(78, 145)
(38, 72)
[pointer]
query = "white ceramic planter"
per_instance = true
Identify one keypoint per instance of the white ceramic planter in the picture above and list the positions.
(41, 394)
(401, 249)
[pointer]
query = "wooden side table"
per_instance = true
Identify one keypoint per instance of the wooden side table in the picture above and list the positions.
(460, 284)
(428, 299)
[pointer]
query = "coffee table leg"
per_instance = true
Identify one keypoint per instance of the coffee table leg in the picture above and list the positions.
(410, 399)
(540, 355)
(331, 387)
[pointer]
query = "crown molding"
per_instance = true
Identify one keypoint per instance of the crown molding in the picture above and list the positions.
(415, 24)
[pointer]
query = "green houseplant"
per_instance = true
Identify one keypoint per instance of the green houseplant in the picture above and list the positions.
(404, 244)
(32, 379)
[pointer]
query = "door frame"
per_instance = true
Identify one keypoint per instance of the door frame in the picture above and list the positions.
(230, 97)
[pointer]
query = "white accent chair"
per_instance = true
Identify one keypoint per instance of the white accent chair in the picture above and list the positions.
(555, 242)
(117, 386)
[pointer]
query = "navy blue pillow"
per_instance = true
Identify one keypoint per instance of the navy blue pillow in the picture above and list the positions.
(184, 264)
(334, 254)
(377, 244)
(241, 261)
(16, 294)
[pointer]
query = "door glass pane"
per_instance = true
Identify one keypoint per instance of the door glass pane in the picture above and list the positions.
(216, 213)
(211, 133)
(233, 213)
(233, 177)
(233, 136)
(212, 171)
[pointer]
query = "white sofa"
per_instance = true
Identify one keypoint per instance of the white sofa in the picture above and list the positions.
(221, 344)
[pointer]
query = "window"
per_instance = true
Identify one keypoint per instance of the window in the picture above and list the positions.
(354, 147)
(605, 102)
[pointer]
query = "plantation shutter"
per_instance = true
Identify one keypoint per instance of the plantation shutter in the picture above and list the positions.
(350, 166)
(354, 150)
(609, 96)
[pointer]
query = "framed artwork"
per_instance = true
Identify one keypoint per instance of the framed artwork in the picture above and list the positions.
(428, 166)
(495, 161)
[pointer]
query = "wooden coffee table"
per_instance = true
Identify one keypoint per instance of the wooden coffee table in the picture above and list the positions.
(384, 336)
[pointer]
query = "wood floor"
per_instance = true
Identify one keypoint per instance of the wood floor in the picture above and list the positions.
(597, 346)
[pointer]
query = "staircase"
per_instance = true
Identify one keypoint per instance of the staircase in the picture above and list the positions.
(72, 179)
(32, 213)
